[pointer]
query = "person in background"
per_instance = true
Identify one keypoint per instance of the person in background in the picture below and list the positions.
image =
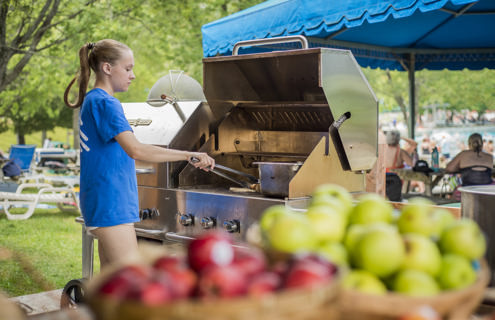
(47, 143)
(488, 146)
(108, 188)
(395, 158)
(474, 165)
(425, 146)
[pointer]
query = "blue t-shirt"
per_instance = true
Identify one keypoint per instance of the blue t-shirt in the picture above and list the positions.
(108, 187)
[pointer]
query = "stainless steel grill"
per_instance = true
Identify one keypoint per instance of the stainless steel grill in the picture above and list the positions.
(312, 107)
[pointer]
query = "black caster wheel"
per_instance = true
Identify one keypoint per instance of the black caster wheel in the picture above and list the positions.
(73, 294)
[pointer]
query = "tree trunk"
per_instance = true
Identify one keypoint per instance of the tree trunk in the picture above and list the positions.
(20, 138)
(43, 137)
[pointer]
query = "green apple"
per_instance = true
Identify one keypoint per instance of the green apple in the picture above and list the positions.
(330, 201)
(335, 191)
(352, 236)
(456, 272)
(415, 283)
(465, 238)
(380, 251)
(271, 214)
(327, 224)
(355, 231)
(443, 219)
(421, 254)
(371, 208)
(334, 252)
(292, 233)
(418, 216)
(363, 281)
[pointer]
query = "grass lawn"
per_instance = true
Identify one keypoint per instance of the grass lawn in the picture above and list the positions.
(9, 138)
(41, 253)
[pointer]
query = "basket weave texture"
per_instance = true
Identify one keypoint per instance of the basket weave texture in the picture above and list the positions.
(314, 304)
(451, 305)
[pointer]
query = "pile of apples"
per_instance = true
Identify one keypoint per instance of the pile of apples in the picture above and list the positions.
(213, 268)
(420, 251)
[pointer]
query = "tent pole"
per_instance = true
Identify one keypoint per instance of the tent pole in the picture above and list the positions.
(412, 94)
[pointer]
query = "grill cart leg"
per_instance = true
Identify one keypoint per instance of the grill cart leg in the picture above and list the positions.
(73, 292)
(87, 254)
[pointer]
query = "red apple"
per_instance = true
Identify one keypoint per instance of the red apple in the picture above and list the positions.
(210, 249)
(251, 260)
(280, 268)
(182, 278)
(183, 282)
(124, 280)
(313, 257)
(154, 292)
(222, 281)
(168, 263)
(309, 271)
(263, 283)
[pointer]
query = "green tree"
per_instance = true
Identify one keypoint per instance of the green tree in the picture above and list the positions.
(39, 43)
(455, 90)
(30, 34)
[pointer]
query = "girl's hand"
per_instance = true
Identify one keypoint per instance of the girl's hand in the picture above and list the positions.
(202, 160)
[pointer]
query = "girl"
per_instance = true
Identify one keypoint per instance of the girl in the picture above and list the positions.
(108, 187)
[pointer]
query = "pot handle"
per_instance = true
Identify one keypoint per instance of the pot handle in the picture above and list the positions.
(259, 42)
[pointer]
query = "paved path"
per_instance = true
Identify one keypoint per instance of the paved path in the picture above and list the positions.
(40, 302)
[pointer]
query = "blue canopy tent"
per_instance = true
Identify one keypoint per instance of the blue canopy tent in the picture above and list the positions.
(406, 35)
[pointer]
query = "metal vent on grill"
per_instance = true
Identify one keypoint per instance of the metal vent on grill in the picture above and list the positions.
(291, 118)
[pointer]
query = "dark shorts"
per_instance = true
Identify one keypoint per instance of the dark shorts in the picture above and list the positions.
(393, 187)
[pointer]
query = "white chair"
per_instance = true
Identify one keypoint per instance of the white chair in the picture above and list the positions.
(65, 198)
(54, 180)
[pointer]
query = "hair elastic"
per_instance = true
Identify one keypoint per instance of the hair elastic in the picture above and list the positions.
(91, 45)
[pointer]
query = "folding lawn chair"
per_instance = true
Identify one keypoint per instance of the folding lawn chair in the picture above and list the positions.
(23, 155)
(65, 198)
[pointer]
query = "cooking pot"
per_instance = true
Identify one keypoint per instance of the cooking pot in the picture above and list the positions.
(477, 204)
(276, 176)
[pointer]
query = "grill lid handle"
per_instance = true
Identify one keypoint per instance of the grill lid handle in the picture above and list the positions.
(338, 123)
(260, 42)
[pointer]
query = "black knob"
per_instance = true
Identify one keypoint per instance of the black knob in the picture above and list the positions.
(232, 226)
(186, 219)
(154, 213)
(144, 214)
(208, 222)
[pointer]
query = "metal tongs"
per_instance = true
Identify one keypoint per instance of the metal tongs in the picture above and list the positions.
(253, 181)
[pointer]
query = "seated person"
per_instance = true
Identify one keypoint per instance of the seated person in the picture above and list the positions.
(395, 157)
(474, 164)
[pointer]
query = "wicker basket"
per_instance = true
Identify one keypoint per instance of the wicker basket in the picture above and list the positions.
(319, 303)
(452, 305)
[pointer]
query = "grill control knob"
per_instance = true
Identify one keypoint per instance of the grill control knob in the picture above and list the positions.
(154, 213)
(144, 214)
(186, 219)
(208, 222)
(232, 226)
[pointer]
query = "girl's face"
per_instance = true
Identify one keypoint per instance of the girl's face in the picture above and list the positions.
(121, 72)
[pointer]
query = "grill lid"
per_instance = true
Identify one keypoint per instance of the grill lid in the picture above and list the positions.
(300, 90)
